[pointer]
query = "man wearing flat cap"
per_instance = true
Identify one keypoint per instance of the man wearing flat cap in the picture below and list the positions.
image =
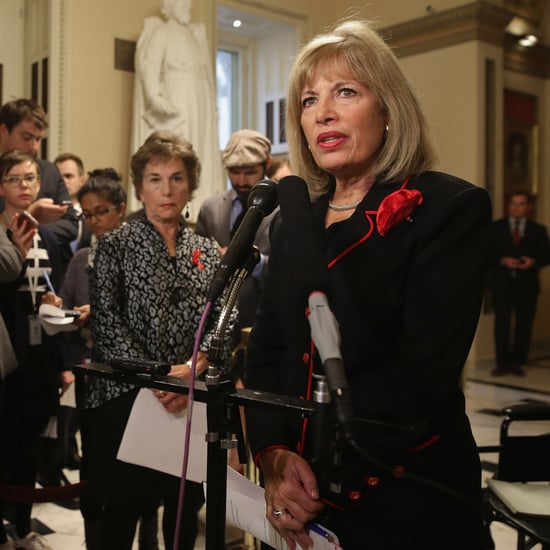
(245, 158)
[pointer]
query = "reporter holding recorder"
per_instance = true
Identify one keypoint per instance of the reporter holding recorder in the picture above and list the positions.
(148, 289)
(403, 250)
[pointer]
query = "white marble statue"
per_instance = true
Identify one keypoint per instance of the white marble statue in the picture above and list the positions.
(174, 90)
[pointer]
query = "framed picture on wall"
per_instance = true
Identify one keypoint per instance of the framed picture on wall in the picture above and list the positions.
(520, 157)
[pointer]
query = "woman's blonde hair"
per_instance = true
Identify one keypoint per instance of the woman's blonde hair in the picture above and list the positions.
(353, 48)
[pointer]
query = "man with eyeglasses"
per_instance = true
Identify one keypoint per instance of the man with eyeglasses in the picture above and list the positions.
(23, 123)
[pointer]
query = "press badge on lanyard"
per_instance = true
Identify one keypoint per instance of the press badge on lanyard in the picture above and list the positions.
(35, 331)
(35, 328)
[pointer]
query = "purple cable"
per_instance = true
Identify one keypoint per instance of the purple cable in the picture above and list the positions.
(198, 336)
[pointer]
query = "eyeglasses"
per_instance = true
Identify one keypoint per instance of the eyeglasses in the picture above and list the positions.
(99, 212)
(14, 181)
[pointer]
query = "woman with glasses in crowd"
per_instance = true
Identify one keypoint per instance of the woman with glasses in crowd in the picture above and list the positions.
(31, 390)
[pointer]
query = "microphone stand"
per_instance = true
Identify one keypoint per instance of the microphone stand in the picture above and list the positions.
(223, 420)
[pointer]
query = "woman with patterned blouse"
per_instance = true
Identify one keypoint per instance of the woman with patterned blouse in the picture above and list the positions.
(148, 291)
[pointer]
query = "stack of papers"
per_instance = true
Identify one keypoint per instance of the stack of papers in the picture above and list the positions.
(246, 510)
(54, 319)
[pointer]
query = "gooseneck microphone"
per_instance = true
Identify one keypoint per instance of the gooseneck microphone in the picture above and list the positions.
(262, 200)
(313, 282)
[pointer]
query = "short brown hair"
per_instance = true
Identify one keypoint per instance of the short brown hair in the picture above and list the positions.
(18, 110)
(165, 145)
(13, 158)
(63, 157)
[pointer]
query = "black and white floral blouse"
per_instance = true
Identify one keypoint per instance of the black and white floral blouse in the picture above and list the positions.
(147, 304)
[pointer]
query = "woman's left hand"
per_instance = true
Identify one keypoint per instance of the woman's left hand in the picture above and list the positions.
(176, 402)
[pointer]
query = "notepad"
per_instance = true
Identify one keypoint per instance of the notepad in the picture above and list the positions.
(523, 498)
(54, 319)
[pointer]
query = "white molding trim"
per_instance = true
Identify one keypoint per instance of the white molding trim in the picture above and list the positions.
(59, 80)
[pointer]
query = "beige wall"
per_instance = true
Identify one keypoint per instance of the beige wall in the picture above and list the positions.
(99, 119)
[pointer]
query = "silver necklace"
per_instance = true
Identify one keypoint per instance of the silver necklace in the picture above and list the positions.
(341, 207)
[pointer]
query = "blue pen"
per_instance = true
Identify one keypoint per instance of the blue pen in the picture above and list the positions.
(316, 528)
(48, 281)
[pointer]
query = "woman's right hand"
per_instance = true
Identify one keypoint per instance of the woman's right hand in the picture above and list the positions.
(291, 495)
(22, 233)
(51, 299)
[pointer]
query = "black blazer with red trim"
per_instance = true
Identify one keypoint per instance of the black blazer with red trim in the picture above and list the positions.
(407, 304)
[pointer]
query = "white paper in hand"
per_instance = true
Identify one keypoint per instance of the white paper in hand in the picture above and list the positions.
(246, 510)
(155, 438)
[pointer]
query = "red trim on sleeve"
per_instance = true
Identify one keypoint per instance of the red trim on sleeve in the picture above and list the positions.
(424, 444)
(265, 450)
(308, 396)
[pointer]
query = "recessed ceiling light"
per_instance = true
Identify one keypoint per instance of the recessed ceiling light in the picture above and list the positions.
(237, 23)
(527, 40)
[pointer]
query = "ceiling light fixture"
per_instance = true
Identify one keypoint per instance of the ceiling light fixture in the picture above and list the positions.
(237, 23)
(527, 40)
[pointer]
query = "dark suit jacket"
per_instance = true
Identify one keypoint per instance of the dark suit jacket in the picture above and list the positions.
(534, 243)
(214, 222)
(407, 305)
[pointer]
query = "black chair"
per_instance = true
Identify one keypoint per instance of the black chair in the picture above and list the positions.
(521, 459)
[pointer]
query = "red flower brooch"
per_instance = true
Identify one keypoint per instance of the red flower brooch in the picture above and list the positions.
(196, 255)
(395, 208)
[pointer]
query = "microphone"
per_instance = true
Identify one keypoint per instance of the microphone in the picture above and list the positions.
(262, 200)
(325, 332)
(313, 282)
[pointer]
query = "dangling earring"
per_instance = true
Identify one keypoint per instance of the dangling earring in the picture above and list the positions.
(187, 213)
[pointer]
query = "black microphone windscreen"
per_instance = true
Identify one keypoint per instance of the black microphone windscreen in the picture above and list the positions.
(307, 236)
(262, 200)
(263, 196)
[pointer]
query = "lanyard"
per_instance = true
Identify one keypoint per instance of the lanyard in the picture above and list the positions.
(33, 277)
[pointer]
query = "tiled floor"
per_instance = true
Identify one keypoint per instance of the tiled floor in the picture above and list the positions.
(484, 394)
